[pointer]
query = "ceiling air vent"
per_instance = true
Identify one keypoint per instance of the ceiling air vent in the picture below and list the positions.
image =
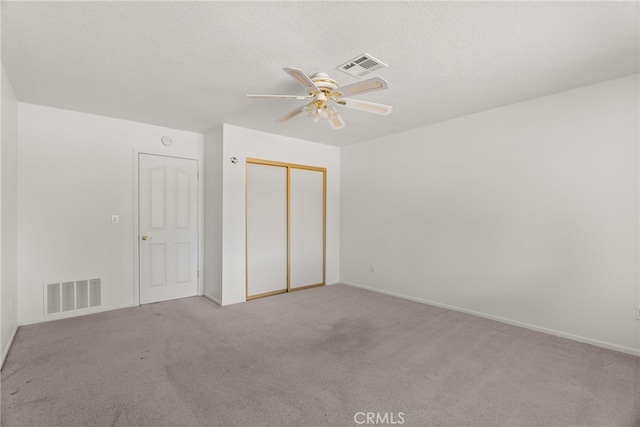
(361, 65)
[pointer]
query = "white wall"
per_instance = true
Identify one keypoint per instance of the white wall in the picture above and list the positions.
(213, 141)
(242, 143)
(527, 213)
(75, 171)
(8, 230)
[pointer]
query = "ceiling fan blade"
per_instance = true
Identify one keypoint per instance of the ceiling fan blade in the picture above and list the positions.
(302, 78)
(291, 114)
(280, 96)
(370, 107)
(357, 88)
(334, 118)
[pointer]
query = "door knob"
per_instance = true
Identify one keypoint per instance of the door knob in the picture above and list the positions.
(145, 237)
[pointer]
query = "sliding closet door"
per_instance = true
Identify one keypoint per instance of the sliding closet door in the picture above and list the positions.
(266, 230)
(306, 227)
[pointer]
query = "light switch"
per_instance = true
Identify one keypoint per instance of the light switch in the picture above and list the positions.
(114, 219)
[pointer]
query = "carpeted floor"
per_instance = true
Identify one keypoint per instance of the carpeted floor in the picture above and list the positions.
(318, 357)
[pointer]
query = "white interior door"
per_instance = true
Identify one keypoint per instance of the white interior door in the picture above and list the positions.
(306, 228)
(168, 225)
(266, 229)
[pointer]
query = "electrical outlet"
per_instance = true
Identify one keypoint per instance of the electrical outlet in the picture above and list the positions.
(638, 312)
(372, 268)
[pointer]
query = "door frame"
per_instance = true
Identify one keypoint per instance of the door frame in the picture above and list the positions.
(136, 220)
(289, 166)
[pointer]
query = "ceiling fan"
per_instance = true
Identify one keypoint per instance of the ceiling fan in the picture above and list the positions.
(326, 94)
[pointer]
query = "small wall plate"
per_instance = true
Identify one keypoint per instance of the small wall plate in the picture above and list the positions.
(166, 140)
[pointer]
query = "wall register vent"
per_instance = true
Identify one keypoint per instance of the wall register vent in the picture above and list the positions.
(64, 297)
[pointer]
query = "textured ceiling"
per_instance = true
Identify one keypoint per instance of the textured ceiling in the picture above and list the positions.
(188, 65)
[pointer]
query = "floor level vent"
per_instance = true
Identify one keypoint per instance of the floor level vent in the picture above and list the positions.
(63, 297)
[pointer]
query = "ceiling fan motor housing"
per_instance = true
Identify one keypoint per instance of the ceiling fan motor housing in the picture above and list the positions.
(323, 82)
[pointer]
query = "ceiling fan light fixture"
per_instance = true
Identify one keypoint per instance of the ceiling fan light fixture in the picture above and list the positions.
(320, 100)
(327, 94)
(316, 113)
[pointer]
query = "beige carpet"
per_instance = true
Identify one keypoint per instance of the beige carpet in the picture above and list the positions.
(318, 357)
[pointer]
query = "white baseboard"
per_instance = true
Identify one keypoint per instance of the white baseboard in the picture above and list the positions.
(213, 299)
(553, 332)
(9, 344)
(75, 313)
